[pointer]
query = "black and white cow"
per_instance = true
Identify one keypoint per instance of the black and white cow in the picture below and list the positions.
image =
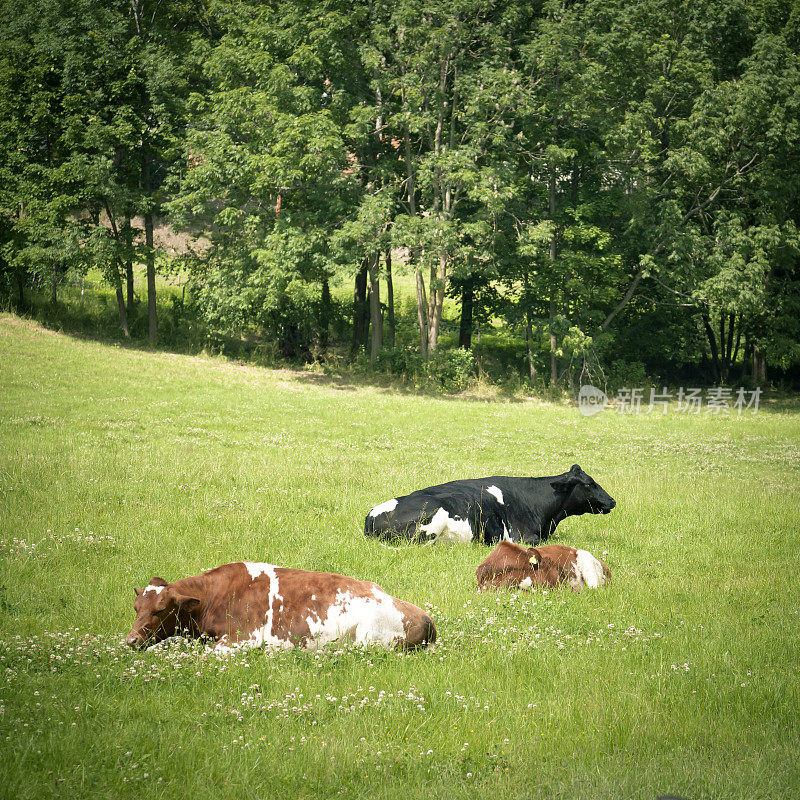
(489, 509)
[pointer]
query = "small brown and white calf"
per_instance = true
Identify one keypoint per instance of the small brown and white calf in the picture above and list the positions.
(510, 565)
(247, 603)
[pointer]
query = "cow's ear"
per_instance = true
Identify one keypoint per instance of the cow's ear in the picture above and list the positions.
(137, 592)
(534, 558)
(185, 602)
(579, 474)
(564, 484)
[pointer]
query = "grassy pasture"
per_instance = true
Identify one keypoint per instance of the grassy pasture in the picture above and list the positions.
(117, 465)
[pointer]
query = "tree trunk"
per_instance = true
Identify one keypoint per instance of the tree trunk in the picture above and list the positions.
(746, 356)
(360, 318)
(422, 318)
(465, 326)
(553, 346)
(529, 346)
(759, 366)
(376, 341)
(431, 305)
(738, 342)
(150, 253)
(436, 303)
(150, 260)
(54, 287)
(123, 314)
(712, 343)
(20, 290)
(442, 208)
(551, 192)
(127, 237)
(729, 348)
(129, 285)
(389, 295)
(324, 314)
(414, 252)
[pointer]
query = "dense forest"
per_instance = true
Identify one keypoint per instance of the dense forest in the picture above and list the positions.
(607, 185)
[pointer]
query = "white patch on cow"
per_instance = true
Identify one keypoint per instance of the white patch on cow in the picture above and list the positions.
(588, 571)
(383, 508)
(444, 528)
(224, 646)
(506, 534)
(526, 583)
(257, 568)
(151, 588)
(497, 493)
(364, 620)
(264, 635)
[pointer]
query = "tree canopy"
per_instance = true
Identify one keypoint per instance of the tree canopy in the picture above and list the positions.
(604, 179)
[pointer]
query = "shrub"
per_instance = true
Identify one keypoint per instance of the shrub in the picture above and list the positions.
(626, 373)
(452, 370)
(403, 361)
(266, 354)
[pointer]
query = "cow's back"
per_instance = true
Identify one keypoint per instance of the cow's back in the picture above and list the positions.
(286, 607)
(510, 565)
(458, 511)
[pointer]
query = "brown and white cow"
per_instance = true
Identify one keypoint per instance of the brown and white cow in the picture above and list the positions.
(248, 603)
(510, 565)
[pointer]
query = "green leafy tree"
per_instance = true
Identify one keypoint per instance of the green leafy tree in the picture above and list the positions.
(565, 207)
(95, 117)
(454, 91)
(39, 190)
(270, 175)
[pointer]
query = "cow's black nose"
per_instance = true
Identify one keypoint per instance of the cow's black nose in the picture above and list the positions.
(613, 503)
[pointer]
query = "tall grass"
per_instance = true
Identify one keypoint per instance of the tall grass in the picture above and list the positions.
(117, 465)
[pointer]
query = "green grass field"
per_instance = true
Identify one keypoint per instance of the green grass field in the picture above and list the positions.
(117, 465)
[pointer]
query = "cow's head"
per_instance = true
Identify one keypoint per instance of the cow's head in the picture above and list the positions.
(582, 494)
(160, 612)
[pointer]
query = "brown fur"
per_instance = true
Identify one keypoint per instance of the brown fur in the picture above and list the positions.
(227, 605)
(547, 566)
